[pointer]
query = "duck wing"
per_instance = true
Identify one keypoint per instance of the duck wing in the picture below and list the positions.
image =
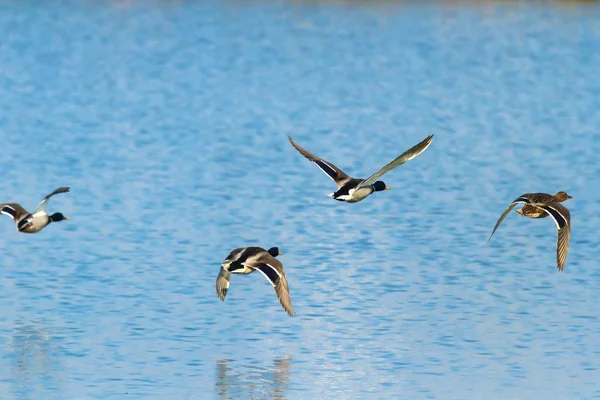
(283, 294)
(13, 210)
(513, 204)
(336, 174)
(42, 205)
(223, 283)
(401, 159)
(562, 217)
(272, 269)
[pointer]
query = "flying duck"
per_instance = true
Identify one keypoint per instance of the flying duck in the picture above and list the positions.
(352, 190)
(246, 260)
(36, 221)
(541, 205)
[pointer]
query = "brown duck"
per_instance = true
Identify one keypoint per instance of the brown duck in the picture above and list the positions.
(542, 205)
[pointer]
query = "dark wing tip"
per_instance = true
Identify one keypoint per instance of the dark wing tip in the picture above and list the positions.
(62, 189)
(222, 284)
(283, 293)
(288, 307)
(420, 147)
(426, 141)
(222, 293)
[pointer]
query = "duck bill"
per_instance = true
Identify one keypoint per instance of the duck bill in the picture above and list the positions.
(387, 188)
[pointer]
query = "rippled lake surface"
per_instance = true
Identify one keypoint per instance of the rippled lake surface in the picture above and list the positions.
(168, 120)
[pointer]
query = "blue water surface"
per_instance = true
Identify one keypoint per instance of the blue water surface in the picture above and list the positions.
(168, 120)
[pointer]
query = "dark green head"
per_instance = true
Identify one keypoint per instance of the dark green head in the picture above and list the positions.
(379, 186)
(274, 251)
(56, 217)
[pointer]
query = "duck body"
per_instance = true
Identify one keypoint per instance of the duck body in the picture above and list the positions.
(33, 222)
(531, 212)
(352, 192)
(542, 205)
(245, 260)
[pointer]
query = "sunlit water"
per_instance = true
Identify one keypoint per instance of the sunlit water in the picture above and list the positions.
(168, 122)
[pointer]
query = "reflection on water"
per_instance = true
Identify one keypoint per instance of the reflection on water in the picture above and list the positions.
(35, 363)
(250, 381)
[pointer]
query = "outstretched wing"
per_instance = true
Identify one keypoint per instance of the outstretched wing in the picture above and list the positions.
(274, 273)
(336, 174)
(401, 159)
(223, 283)
(42, 205)
(562, 247)
(283, 293)
(514, 203)
(562, 217)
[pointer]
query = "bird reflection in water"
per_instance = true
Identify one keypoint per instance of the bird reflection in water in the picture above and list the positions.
(35, 366)
(234, 380)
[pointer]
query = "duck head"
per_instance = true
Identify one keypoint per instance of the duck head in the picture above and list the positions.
(562, 196)
(274, 251)
(379, 186)
(57, 217)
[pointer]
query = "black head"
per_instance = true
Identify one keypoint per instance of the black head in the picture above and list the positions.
(379, 186)
(58, 217)
(274, 251)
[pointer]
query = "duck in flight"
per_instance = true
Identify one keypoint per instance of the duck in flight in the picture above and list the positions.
(33, 222)
(352, 190)
(542, 205)
(246, 260)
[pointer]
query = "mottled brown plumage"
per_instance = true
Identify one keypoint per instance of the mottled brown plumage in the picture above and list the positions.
(532, 212)
(541, 205)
